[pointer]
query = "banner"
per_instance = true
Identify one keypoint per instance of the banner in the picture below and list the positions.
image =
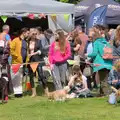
(4, 18)
(97, 16)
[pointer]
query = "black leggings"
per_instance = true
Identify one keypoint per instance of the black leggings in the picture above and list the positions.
(41, 76)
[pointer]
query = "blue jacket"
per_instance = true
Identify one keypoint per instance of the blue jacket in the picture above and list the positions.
(113, 75)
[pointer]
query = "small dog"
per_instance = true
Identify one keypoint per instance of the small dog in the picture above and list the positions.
(59, 95)
(3, 88)
(116, 91)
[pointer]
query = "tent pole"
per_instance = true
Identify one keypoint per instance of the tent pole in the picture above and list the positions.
(73, 21)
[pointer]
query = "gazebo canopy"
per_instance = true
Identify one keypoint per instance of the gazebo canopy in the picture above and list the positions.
(86, 6)
(20, 7)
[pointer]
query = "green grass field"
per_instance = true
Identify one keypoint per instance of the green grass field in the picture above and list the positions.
(39, 108)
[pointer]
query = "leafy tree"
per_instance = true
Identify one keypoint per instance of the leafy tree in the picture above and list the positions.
(76, 1)
(70, 1)
(117, 0)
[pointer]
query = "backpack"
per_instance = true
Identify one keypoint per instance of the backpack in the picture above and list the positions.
(107, 52)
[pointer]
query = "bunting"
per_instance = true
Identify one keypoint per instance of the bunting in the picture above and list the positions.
(15, 68)
(31, 16)
(4, 18)
(19, 18)
(34, 66)
(54, 17)
(66, 17)
(41, 16)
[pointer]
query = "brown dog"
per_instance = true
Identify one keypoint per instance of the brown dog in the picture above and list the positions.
(59, 95)
(116, 91)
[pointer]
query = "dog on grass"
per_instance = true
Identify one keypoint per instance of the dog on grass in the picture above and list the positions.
(3, 88)
(59, 95)
(117, 93)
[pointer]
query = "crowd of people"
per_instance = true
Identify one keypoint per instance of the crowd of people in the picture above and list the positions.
(95, 59)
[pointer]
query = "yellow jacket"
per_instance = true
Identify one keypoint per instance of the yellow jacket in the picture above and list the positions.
(15, 50)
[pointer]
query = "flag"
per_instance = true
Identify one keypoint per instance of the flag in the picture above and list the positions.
(34, 66)
(66, 17)
(4, 18)
(97, 16)
(19, 18)
(42, 15)
(15, 68)
(31, 16)
(54, 17)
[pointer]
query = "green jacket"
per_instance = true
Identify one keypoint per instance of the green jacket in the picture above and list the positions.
(97, 54)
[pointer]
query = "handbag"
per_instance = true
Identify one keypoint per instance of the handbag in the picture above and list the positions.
(107, 52)
(87, 71)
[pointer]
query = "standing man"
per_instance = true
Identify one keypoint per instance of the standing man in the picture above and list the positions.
(18, 49)
(5, 32)
(4, 54)
(46, 40)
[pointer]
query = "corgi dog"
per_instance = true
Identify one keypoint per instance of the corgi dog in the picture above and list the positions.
(59, 95)
(116, 91)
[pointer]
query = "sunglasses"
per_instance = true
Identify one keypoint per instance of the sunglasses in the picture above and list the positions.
(90, 37)
(34, 34)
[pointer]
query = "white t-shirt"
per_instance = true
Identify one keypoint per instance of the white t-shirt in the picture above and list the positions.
(84, 80)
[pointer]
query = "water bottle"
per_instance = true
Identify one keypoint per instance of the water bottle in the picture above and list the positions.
(112, 98)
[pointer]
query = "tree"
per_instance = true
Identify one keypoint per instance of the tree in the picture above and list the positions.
(117, 0)
(70, 1)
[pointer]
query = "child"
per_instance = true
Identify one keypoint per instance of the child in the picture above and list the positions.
(114, 75)
(78, 83)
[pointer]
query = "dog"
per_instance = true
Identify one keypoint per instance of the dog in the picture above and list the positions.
(59, 95)
(3, 88)
(116, 91)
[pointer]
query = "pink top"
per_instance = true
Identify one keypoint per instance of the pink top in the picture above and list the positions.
(55, 55)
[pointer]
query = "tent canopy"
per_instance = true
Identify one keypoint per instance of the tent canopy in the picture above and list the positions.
(14, 7)
(87, 6)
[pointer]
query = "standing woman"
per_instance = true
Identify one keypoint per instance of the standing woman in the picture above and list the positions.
(77, 43)
(59, 53)
(104, 65)
(116, 44)
(36, 55)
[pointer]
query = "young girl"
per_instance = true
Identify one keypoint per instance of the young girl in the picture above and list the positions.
(114, 75)
(77, 42)
(78, 83)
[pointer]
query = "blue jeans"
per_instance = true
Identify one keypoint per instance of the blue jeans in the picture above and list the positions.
(117, 85)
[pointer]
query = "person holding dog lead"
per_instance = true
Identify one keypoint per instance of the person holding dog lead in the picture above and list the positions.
(59, 53)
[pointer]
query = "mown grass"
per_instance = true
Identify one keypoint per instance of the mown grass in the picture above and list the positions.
(40, 108)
